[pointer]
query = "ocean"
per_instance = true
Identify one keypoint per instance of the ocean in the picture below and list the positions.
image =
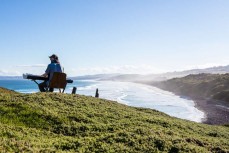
(130, 94)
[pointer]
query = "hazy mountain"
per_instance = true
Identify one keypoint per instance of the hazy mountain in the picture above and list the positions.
(141, 78)
(212, 70)
(94, 77)
(153, 77)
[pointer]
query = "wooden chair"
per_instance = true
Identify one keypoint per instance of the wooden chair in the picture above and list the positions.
(58, 81)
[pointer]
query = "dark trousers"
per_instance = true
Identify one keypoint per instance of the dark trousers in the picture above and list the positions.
(43, 87)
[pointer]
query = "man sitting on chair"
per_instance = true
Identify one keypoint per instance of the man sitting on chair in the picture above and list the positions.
(54, 66)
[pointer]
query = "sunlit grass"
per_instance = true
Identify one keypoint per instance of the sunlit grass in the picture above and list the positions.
(46, 122)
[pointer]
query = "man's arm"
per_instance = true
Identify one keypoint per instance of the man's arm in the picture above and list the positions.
(45, 75)
(46, 71)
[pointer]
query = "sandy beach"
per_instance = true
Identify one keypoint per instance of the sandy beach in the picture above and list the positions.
(217, 112)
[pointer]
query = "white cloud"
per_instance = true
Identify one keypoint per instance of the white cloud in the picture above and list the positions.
(39, 69)
(136, 69)
(18, 70)
(35, 65)
(127, 69)
(9, 73)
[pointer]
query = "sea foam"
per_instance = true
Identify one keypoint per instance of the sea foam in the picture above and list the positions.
(138, 95)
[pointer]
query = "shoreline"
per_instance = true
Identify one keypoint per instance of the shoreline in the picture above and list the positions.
(214, 115)
(215, 112)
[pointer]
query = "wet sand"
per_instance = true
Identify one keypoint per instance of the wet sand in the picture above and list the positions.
(217, 112)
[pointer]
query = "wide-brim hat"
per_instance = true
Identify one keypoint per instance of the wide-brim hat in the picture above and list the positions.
(53, 56)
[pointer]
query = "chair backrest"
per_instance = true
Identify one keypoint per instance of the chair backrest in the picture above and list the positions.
(58, 80)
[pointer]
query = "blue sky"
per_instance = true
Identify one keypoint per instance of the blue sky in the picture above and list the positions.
(113, 36)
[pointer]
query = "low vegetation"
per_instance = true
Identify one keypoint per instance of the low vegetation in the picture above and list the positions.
(53, 122)
(212, 86)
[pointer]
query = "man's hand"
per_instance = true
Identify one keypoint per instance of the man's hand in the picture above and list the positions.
(45, 75)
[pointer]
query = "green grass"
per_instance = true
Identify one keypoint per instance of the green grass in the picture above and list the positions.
(53, 122)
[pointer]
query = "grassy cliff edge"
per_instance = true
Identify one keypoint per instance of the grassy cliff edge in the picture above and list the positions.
(53, 122)
(210, 86)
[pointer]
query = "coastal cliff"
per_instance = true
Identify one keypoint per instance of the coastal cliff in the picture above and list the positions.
(212, 86)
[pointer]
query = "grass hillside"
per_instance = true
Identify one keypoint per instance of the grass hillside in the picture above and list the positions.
(213, 86)
(53, 122)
